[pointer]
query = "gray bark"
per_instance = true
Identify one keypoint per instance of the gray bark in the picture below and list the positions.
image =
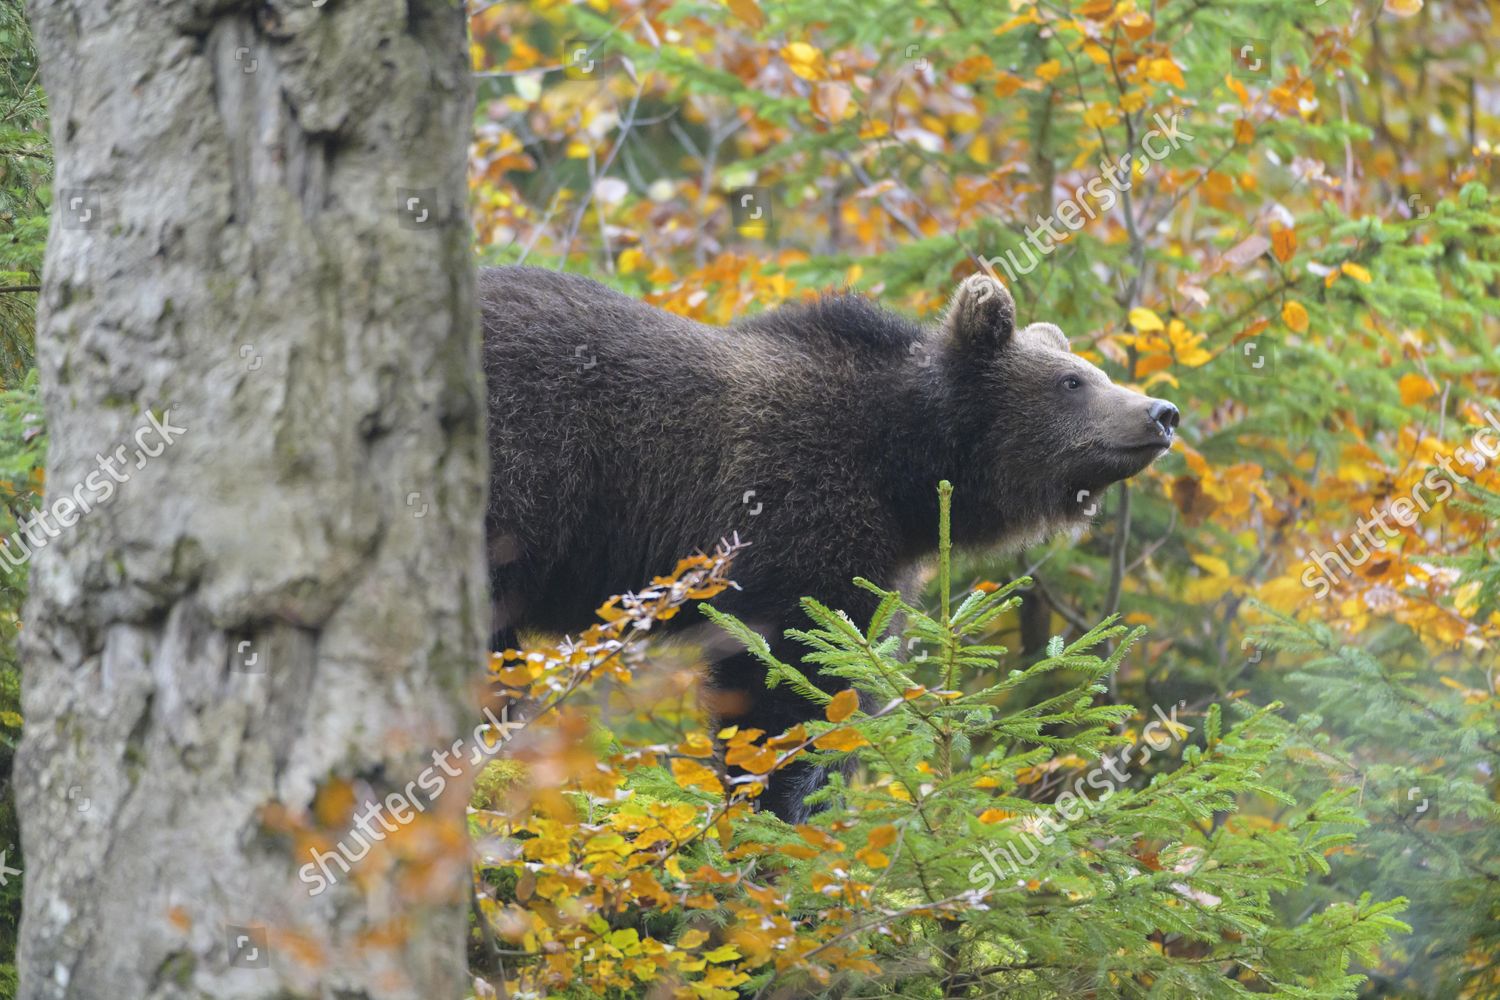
(290, 596)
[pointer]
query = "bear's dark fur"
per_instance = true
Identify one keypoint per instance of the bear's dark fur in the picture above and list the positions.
(624, 437)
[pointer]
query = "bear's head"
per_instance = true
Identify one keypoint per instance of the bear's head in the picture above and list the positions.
(1052, 431)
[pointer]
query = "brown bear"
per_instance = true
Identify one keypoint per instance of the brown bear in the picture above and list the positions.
(624, 437)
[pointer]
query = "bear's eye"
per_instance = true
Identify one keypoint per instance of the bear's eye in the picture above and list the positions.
(1072, 382)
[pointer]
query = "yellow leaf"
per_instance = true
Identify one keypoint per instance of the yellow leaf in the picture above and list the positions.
(964, 121)
(692, 939)
(1096, 52)
(1244, 132)
(994, 816)
(1206, 589)
(697, 745)
(801, 52)
(1049, 70)
(1415, 389)
(1403, 8)
(804, 60)
(1144, 320)
(1355, 271)
(1099, 115)
(691, 774)
(1213, 564)
(1294, 316)
(1165, 71)
(631, 260)
(843, 705)
(1030, 17)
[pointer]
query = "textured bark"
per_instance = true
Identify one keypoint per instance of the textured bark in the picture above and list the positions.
(292, 593)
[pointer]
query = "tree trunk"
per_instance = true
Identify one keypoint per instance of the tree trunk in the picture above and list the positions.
(260, 235)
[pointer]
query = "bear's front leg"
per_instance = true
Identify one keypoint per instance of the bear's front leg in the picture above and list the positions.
(774, 710)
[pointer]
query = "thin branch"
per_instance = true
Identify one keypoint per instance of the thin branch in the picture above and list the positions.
(588, 196)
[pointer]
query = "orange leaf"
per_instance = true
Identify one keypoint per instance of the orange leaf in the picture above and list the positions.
(1284, 244)
(819, 838)
(747, 11)
(756, 760)
(841, 739)
(1007, 84)
(843, 705)
(1415, 388)
(1137, 25)
(1240, 92)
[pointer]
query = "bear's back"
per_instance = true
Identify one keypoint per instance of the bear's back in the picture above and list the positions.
(624, 437)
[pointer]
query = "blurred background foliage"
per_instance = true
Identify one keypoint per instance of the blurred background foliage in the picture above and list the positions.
(1309, 273)
(25, 174)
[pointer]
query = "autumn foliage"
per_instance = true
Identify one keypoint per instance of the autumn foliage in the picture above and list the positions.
(1290, 623)
(1308, 271)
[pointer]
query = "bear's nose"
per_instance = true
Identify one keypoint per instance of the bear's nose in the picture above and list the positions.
(1164, 415)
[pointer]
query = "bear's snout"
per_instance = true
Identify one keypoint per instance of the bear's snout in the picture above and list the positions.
(1164, 415)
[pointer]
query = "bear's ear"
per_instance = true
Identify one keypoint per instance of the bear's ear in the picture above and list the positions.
(1049, 333)
(982, 315)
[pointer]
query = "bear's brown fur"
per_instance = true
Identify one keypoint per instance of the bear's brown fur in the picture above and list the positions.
(623, 437)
